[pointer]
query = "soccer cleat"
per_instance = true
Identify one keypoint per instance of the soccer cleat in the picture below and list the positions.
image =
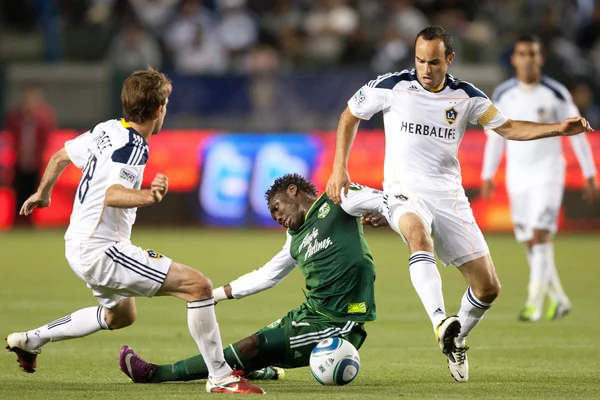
(557, 310)
(27, 358)
(267, 374)
(233, 384)
(132, 365)
(446, 332)
(458, 364)
(530, 314)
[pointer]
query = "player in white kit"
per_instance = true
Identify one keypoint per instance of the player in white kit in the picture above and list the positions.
(535, 172)
(98, 247)
(425, 113)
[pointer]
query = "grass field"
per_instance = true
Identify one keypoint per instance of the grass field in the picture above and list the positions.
(400, 358)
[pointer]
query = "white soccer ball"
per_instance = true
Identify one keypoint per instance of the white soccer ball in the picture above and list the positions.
(334, 361)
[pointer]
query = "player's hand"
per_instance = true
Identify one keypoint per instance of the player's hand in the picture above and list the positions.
(574, 126)
(590, 190)
(36, 200)
(488, 189)
(339, 179)
(160, 187)
(373, 218)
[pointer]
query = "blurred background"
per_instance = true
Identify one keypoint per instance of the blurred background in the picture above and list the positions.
(258, 89)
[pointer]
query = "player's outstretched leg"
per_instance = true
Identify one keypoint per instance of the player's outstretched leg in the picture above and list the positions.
(141, 371)
(27, 345)
(253, 354)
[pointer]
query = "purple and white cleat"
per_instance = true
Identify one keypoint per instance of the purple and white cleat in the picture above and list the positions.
(132, 365)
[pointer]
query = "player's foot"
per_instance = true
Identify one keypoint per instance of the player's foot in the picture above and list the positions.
(557, 310)
(267, 374)
(446, 332)
(458, 364)
(233, 384)
(132, 365)
(27, 358)
(530, 314)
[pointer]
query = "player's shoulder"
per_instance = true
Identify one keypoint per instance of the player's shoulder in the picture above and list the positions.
(392, 79)
(468, 88)
(130, 148)
(504, 88)
(558, 89)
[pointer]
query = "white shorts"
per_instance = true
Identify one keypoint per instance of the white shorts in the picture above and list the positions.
(535, 207)
(457, 238)
(117, 271)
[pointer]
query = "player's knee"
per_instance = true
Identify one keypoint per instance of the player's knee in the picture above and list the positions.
(541, 236)
(420, 240)
(122, 320)
(489, 291)
(200, 286)
(248, 347)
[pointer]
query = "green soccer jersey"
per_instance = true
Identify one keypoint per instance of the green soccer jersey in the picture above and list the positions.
(331, 252)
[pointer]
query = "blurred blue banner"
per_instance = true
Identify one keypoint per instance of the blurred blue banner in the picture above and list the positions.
(238, 169)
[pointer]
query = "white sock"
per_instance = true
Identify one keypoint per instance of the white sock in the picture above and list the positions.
(471, 312)
(204, 328)
(555, 289)
(78, 324)
(538, 276)
(427, 282)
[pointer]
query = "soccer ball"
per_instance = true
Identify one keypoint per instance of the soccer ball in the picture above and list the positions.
(334, 361)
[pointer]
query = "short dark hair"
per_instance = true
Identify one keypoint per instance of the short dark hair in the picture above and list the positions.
(283, 182)
(437, 32)
(142, 93)
(528, 38)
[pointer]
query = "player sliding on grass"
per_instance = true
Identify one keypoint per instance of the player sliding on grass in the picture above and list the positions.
(113, 156)
(325, 241)
(425, 113)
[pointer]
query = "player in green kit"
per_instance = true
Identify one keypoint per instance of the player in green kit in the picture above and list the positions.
(325, 241)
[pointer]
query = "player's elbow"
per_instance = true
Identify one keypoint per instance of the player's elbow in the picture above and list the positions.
(113, 193)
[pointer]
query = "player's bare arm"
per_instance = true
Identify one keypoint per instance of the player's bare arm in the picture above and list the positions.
(591, 192)
(120, 197)
(524, 130)
(340, 178)
(40, 199)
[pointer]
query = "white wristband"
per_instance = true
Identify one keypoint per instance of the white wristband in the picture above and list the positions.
(219, 294)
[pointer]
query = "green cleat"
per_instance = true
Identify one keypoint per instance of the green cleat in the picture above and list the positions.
(530, 314)
(557, 310)
(267, 374)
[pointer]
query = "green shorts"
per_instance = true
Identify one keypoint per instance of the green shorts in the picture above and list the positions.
(304, 328)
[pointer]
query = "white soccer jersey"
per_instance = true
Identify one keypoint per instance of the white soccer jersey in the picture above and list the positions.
(423, 129)
(111, 153)
(356, 204)
(542, 160)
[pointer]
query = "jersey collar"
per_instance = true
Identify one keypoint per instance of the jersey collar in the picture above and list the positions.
(128, 126)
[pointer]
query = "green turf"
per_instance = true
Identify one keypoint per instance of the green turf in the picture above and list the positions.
(399, 359)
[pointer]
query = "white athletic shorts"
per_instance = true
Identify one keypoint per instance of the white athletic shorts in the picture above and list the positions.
(535, 207)
(117, 271)
(456, 236)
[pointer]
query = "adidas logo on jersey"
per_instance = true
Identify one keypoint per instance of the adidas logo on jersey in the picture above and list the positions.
(297, 354)
(413, 88)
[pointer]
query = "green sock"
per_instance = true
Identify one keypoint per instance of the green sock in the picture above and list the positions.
(193, 368)
(271, 351)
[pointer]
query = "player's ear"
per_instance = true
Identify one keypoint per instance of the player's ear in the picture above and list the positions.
(451, 58)
(292, 190)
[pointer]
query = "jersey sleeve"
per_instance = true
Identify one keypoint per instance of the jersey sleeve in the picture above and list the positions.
(494, 149)
(583, 152)
(268, 276)
(367, 102)
(361, 199)
(566, 108)
(484, 113)
(127, 165)
(78, 149)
